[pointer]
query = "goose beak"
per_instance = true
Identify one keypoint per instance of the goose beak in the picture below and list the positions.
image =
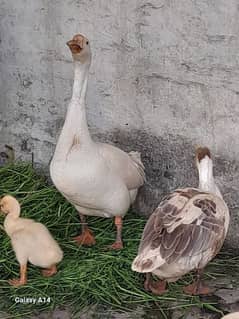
(74, 46)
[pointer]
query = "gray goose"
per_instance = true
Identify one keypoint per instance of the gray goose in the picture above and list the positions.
(184, 232)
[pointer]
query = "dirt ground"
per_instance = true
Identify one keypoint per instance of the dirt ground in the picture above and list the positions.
(226, 298)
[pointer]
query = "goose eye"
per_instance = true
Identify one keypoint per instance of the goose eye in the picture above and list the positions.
(87, 42)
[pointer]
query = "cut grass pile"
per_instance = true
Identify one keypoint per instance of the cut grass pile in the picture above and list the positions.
(86, 276)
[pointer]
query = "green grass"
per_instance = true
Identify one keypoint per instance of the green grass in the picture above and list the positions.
(86, 276)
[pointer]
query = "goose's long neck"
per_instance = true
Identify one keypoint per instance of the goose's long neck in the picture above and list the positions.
(206, 178)
(75, 129)
(81, 71)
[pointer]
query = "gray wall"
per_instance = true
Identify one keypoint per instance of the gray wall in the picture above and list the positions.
(164, 77)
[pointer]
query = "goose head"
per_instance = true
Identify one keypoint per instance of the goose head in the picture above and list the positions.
(80, 48)
(202, 154)
(205, 171)
(204, 164)
(9, 205)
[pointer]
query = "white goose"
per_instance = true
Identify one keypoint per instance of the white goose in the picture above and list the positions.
(98, 179)
(185, 232)
(234, 315)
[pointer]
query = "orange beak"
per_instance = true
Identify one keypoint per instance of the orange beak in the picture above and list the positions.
(74, 46)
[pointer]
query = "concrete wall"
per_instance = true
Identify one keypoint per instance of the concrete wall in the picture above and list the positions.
(164, 77)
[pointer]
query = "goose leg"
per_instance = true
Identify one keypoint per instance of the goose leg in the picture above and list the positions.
(23, 277)
(147, 281)
(118, 244)
(49, 271)
(156, 287)
(86, 237)
(198, 287)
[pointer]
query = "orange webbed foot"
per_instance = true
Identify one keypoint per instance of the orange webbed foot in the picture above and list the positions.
(86, 238)
(17, 282)
(197, 288)
(157, 287)
(116, 246)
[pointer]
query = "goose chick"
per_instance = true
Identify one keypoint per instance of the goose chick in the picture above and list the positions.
(185, 232)
(31, 241)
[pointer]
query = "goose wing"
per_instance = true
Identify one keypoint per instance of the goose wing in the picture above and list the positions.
(126, 165)
(187, 223)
